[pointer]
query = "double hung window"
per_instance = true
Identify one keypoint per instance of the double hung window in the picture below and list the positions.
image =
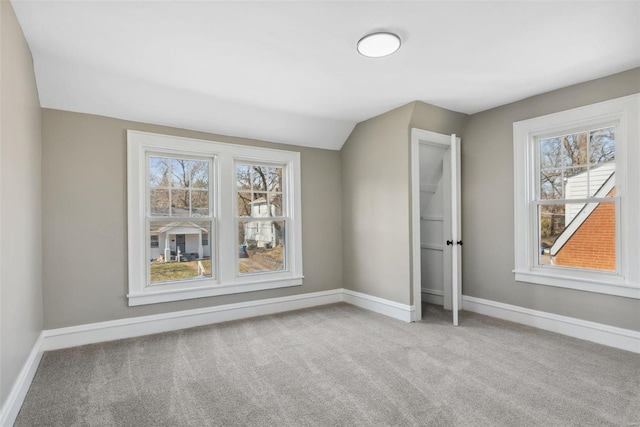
(577, 187)
(576, 204)
(208, 218)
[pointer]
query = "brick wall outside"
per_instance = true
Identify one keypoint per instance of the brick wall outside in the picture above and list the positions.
(593, 245)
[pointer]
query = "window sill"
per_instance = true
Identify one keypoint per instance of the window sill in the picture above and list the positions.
(153, 295)
(612, 287)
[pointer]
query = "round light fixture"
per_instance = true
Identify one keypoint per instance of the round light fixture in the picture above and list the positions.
(377, 45)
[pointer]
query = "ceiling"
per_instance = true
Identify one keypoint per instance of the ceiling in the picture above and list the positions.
(289, 71)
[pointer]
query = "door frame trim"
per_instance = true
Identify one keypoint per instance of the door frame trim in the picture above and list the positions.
(418, 137)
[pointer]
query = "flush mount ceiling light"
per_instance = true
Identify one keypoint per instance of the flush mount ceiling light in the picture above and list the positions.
(377, 45)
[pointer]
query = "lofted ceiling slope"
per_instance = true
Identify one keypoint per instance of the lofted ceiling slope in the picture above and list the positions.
(289, 71)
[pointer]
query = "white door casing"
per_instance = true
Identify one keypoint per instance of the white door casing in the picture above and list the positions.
(452, 233)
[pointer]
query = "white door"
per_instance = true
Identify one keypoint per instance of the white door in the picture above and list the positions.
(456, 238)
(425, 273)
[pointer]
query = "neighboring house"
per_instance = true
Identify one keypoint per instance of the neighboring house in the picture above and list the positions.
(589, 239)
(262, 233)
(184, 235)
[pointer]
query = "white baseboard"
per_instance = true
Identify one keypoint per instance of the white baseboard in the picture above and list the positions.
(13, 403)
(379, 305)
(432, 296)
(625, 339)
(146, 325)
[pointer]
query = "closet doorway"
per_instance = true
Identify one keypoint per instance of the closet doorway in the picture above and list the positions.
(436, 221)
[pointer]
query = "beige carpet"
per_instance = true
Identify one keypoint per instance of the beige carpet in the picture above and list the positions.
(339, 365)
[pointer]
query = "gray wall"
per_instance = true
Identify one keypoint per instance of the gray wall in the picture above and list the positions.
(487, 207)
(375, 224)
(85, 228)
(436, 119)
(20, 212)
(376, 198)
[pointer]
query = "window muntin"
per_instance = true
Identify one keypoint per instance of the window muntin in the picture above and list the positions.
(261, 218)
(576, 225)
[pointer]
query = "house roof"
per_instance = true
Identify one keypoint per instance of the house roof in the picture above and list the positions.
(183, 224)
(289, 71)
(582, 216)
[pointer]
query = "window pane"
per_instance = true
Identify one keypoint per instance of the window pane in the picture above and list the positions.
(550, 153)
(551, 184)
(159, 202)
(244, 204)
(274, 179)
(158, 172)
(261, 246)
(576, 182)
(200, 175)
(180, 253)
(578, 235)
(259, 206)
(199, 203)
(275, 201)
(575, 149)
(259, 178)
(243, 177)
(601, 179)
(551, 223)
(602, 145)
(179, 202)
(180, 175)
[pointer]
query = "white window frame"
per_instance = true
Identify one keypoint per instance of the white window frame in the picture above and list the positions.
(624, 114)
(223, 237)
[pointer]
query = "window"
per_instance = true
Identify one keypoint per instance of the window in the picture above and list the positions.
(178, 213)
(576, 203)
(207, 218)
(261, 218)
(576, 187)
